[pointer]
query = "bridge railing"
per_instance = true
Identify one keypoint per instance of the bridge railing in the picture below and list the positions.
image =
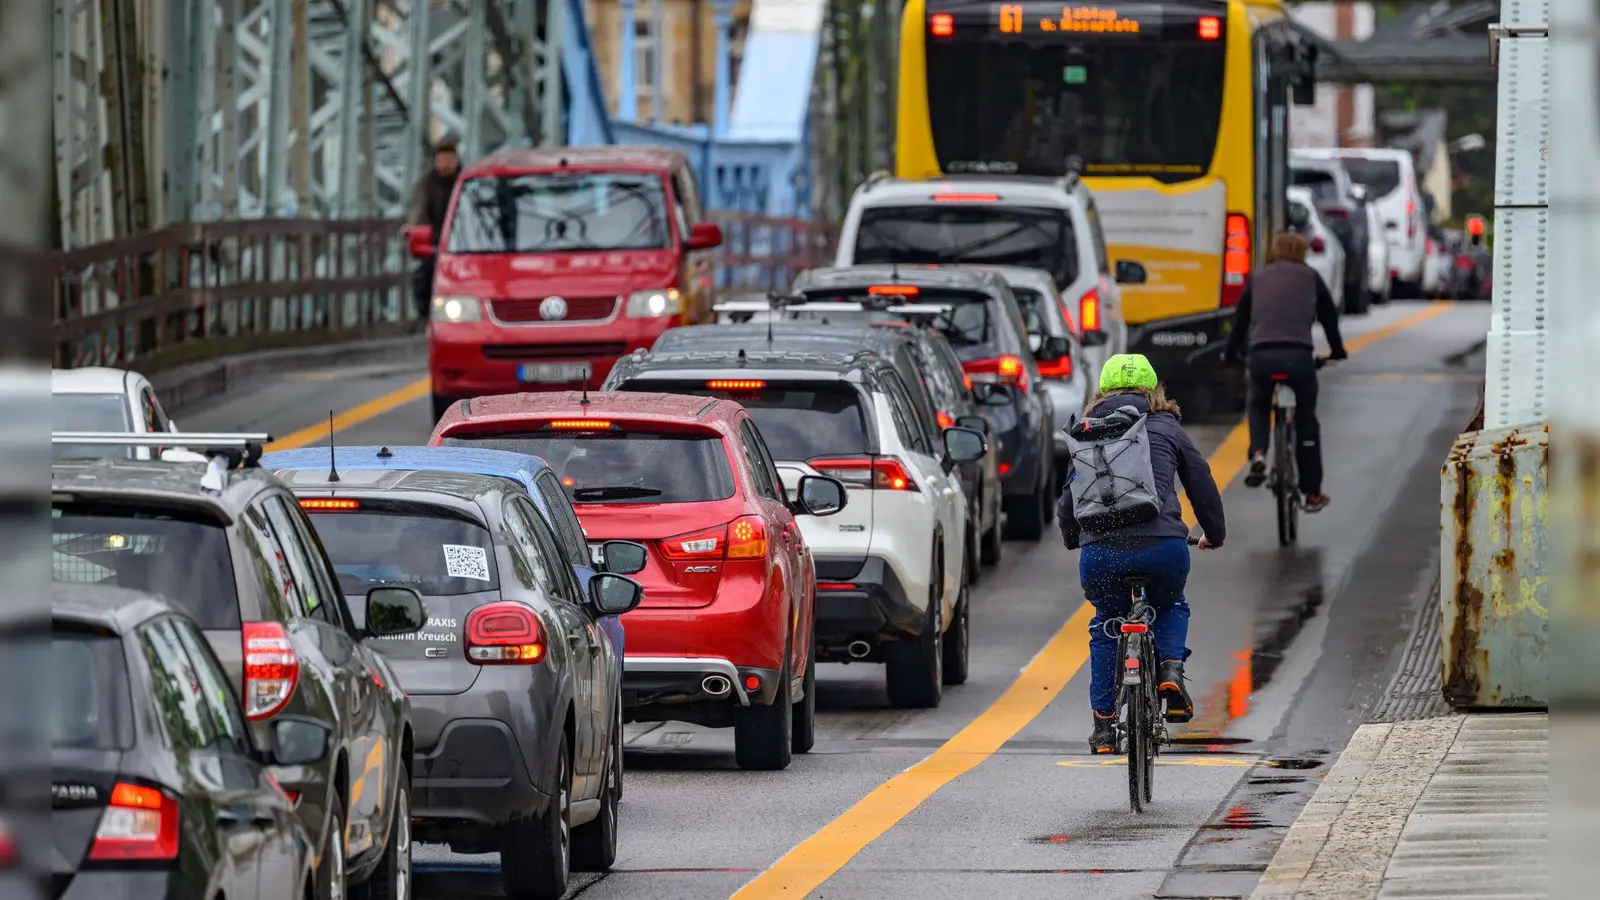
(199, 290)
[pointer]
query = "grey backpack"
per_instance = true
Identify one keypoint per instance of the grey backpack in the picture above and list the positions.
(1112, 483)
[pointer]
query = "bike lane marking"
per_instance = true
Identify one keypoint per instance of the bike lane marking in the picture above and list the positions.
(816, 859)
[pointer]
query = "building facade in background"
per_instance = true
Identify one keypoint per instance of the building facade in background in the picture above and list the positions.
(1344, 115)
(674, 55)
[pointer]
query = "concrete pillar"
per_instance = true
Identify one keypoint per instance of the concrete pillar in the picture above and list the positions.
(724, 18)
(627, 81)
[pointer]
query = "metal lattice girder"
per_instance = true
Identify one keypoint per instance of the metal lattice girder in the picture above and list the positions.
(174, 110)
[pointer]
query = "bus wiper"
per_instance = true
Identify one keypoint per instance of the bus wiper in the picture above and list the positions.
(613, 492)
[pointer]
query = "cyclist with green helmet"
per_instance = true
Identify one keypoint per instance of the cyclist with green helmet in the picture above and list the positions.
(1157, 548)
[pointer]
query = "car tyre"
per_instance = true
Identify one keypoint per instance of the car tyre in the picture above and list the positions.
(594, 845)
(392, 879)
(331, 873)
(914, 668)
(535, 854)
(957, 641)
(803, 735)
(763, 736)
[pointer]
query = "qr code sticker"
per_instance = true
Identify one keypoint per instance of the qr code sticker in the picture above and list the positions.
(466, 562)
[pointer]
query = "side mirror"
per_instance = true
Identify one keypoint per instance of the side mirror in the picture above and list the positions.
(394, 610)
(612, 595)
(990, 394)
(1035, 344)
(419, 241)
(298, 741)
(963, 445)
(1053, 348)
(1297, 216)
(704, 236)
(1095, 338)
(1130, 272)
(976, 423)
(623, 557)
(820, 495)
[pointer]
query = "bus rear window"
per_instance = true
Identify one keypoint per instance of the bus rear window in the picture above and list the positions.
(1104, 105)
(623, 466)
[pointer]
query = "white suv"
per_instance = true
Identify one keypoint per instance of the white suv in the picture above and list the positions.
(891, 565)
(1391, 177)
(1014, 220)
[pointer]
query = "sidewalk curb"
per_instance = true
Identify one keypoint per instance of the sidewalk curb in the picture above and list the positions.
(185, 386)
(1340, 846)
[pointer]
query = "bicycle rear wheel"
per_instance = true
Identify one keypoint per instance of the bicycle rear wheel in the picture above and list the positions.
(1137, 725)
(1284, 478)
(1152, 718)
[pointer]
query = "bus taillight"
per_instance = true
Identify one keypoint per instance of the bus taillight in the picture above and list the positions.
(1210, 28)
(942, 24)
(1235, 258)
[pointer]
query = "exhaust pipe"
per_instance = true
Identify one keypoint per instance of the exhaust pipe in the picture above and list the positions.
(716, 685)
(859, 649)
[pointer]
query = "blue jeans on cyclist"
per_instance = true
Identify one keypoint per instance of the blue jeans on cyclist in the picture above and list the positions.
(1103, 567)
(1301, 368)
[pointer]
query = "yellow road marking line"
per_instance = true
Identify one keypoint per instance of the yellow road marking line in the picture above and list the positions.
(815, 860)
(805, 867)
(353, 416)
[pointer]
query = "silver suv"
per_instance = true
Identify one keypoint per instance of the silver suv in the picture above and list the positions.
(1011, 220)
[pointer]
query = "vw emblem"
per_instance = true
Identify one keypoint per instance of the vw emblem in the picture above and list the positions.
(553, 308)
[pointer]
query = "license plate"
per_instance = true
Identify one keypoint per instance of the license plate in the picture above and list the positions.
(553, 373)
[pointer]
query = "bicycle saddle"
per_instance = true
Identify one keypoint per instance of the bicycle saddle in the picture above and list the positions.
(1136, 581)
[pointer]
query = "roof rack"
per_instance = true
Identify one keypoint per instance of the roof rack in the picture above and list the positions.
(223, 451)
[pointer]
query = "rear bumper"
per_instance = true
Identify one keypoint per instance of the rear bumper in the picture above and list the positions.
(1185, 351)
(476, 774)
(657, 680)
(861, 599)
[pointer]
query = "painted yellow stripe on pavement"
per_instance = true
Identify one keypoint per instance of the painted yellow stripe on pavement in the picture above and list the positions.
(353, 416)
(816, 859)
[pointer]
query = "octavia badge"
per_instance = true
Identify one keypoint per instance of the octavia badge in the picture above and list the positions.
(553, 308)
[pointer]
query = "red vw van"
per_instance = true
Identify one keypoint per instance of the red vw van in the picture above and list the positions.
(554, 263)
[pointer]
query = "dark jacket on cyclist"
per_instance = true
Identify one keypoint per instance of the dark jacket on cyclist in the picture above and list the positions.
(1272, 332)
(1173, 458)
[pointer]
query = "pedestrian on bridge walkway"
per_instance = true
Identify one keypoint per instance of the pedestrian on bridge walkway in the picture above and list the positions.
(429, 203)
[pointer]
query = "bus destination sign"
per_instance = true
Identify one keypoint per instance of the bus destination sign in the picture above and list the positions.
(1030, 19)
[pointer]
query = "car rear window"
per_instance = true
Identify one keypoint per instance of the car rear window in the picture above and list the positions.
(1382, 176)
(986, 235)
(798, 420)
(623, 466)
(973, 323)
(90, 412)
(90, 707)
(181, 559)
(1322, 184)
(1034, 312)
(435, 555)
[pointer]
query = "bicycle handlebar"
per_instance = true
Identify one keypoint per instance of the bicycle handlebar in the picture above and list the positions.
(1194, 540)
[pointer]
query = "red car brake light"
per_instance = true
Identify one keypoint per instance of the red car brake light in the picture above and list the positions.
(140, 823)
(505, 634)
(747, 538)
(893, 290)
(1006, 369)
(945, 420)
(1089, 311)
(328, 504)
(271, 669)
(1055, 368)
(883, 473)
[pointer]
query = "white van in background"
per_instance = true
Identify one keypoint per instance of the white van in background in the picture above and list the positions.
(1391, 176)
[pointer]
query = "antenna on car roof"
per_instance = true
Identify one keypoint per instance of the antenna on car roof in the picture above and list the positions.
(385, 453)
(584, 400)
(894, 271)
(333, 460)
(743, 360)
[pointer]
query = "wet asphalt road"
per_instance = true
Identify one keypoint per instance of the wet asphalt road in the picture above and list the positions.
(1291, 650)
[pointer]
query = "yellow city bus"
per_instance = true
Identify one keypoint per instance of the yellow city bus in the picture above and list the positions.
(1174, 113)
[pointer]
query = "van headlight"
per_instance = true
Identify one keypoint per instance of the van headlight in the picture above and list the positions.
(649, 304)
(456, 309)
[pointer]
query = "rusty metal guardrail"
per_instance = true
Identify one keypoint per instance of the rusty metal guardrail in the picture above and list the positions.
(197, 290)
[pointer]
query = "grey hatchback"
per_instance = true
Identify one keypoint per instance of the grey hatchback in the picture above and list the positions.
(232, 549)
(514, 685)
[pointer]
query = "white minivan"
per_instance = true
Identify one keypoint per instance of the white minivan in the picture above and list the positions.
(1391, 176)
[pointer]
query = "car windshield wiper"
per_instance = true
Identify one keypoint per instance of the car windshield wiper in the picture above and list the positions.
(613, 492)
